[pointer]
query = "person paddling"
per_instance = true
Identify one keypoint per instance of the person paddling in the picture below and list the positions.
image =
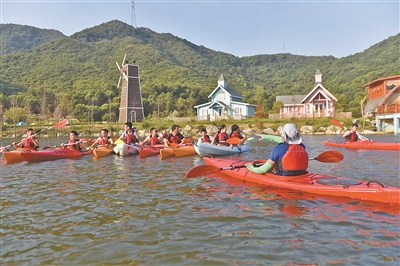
(174, 137)
(205, 138)
(130, 136)
(352, 135)
(221, 136)
(104, 139)
(288, 158)
(73, 142)
(30, 142)
(235, 133)
(152, 139)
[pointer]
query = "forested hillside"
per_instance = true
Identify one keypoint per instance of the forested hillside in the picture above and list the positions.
(77, 75)
(16, 38)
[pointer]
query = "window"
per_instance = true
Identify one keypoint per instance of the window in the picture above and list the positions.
(204, 111)
(221, 96)
(238, 110)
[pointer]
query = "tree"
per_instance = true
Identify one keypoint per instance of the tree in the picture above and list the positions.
(15, 114)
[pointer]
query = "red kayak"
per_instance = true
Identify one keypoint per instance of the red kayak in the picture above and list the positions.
(371, 145)
(311, 183)
(51, 155)
(148, 151)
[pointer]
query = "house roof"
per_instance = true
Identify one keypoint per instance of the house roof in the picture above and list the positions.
(218, 103)
(230, 91)
(372, 105)
(323, 88)
(290, 99)
(381, 79)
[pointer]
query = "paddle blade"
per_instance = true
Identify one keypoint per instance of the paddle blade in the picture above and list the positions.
(2, 149)
(174, 145)
(202, 170)
(61, 123)
(337, 123)
(118, 141)
(187, 141)
(234, 141)
(330, 157)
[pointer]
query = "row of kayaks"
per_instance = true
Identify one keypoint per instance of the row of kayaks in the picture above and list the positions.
(202, 149)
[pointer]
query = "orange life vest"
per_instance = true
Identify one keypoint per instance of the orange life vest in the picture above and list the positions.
(29, 144)
(130, 138)
(221, 137)
(238, 135)
(72, 145)
(103, 141)
(295, 160)
(154, 141)
(206, 139)
(175, 139)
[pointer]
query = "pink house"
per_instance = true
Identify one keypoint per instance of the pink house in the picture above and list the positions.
(318, 103)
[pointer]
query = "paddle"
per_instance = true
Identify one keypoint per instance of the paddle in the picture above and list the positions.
(58, 125)
(202, 170)
(58, 146)
(173, 145)
(337, 123)
(234, 141)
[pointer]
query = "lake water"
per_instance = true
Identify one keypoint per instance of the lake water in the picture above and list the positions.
(131, 211)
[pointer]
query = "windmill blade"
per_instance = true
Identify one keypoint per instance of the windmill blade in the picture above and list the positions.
(117, 65)
(119, 81)
(123, 73)
(123, 61)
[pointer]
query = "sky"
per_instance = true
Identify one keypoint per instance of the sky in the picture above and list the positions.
(336, 28)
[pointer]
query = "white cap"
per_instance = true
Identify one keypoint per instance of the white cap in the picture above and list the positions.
(290, 134)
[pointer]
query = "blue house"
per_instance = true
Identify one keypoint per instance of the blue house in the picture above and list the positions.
(225, 103)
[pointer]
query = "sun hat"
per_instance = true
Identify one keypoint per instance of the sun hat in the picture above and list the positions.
(290, 134)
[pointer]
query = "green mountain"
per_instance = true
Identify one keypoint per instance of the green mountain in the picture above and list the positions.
(17, 38)
(77, 75)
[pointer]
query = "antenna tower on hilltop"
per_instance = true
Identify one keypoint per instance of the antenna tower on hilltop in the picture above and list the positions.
(133, 15)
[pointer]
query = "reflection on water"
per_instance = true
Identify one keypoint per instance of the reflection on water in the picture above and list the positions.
(144, 211)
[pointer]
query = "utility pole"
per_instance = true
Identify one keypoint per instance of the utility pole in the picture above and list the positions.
(133, 15)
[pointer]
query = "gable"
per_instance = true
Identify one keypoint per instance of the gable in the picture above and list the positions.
(231, 92)
(319, 89)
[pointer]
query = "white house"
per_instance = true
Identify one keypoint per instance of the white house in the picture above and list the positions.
(225, 103)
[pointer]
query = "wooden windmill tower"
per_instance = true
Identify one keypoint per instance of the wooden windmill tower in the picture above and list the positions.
(131, 107)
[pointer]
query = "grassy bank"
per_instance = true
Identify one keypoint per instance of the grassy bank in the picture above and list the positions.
(115, 129)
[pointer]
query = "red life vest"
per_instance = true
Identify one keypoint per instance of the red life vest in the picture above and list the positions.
(103, 141)
(29, 144)
(221, 137)
(295, 159)
(175, 139)
(72, 145)
(352, 137)
(130, 138)
(154, 141)
(206, 139)
(238, 135)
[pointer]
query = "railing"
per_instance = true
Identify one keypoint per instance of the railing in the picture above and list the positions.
(389, 108)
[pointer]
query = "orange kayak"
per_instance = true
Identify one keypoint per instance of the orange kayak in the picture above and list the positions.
(370, 145)
(184, 151)
(311, 183)
(167, 153)
(51, 155)
(15, 155)
(102, 151)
